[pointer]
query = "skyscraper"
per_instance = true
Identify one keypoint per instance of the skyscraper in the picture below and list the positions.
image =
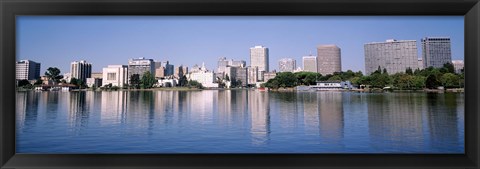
(27, 70)
(328, 59)
(392, 55)
(287, 65)
(436, 51)
(81, 70)
(259, 58)
(169, 68)
(310, 64)
(140, 66)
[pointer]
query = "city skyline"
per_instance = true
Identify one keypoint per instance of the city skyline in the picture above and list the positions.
(56, 41)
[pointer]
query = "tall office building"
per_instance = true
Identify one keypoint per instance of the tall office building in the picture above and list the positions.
(81, 70)
(287, 65)
(140, 66)
(328, 59)
(458, 65)
(436, 51)
(27, 70)
(310, 64)
(392, 55)
(169, 68)
(259, 58)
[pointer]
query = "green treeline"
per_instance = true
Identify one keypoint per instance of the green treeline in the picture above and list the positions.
(430, 78)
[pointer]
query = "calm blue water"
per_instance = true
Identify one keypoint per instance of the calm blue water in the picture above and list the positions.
(239, 121)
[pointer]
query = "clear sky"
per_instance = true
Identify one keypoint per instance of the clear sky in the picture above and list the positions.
(55, 41)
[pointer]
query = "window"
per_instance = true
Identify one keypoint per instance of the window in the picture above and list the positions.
(112, 76)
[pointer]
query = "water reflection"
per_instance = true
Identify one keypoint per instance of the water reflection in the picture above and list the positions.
(259, 107)
(396, 118)
(331, 117)
(441, 120)
(240, 121)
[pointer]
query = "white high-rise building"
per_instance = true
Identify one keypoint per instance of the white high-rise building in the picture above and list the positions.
(81, 70)
(329, 59)
(259, 58)
(117, 75)
(310, 64)
(287, 65)
(392, 55)
(27, 70)
(436, 51)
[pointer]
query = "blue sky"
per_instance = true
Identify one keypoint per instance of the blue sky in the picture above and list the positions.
(55, 41)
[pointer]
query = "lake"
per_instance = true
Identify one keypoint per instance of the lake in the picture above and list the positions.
(239, 121)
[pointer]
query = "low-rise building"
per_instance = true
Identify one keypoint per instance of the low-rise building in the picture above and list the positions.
(94, 82)
(167, 82)
(332, 85)
(458, 65)
(117, 75)
(269, 75)
(203, 76)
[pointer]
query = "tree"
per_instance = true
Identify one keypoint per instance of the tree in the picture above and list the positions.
(355, 81)
(135, 81)
(385, 71)
(449, 66)
(409, 71)
(432, 82)
(450, 80)
(419, 82)
(286, 79)
(335, 78)
(183, 81)
(379, 69)
(53, 74)
(227, 78)
(23, 82)
(73, 81)
(38, 82)
(379, 80)
(80, 83)
(147, 81)
(403, 81)
(196, 84)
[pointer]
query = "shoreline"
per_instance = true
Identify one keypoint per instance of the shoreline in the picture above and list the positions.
(454, 90)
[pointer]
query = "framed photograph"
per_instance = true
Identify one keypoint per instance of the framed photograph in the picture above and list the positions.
(239, 84)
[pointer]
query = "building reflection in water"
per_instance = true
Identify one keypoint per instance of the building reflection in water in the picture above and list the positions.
(78, 113)
(201, 106)
(113, 107)
(442, 116)
(259, 106)
(331, 118)
(287, 109)
(395, 120)
(311, 113)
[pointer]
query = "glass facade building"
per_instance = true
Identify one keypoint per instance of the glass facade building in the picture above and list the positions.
(436, 51)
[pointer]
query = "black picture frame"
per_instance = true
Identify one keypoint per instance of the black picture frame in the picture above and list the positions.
(9, 9)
